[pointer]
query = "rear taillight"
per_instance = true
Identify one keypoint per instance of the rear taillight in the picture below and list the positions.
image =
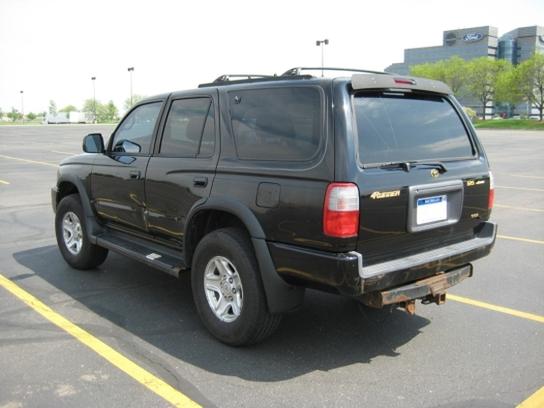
(491, 198)
(341, 210)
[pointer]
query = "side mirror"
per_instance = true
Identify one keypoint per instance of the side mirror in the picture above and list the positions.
(93, 143)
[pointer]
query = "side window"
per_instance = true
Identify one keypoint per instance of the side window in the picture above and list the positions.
(190, 129)
(282, 124)
(135, 133)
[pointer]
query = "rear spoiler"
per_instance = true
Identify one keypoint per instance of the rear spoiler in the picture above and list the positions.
(368, 81)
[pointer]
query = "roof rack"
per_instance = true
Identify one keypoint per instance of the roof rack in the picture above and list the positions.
(232, 79)
(293, 73)
(228, 77)
(297, 71)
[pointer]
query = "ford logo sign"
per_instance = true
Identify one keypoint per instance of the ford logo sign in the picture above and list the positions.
(473, 37)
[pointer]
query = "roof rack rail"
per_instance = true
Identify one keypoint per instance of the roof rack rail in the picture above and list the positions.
(232, 79)
(297, 70)
(229, 77)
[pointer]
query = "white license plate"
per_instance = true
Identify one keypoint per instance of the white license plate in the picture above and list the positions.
(432, 209)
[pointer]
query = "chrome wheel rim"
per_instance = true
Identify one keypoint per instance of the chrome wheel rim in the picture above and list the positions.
(72, 232)
(223, 288)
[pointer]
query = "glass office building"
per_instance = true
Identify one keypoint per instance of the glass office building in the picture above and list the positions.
(468, 43)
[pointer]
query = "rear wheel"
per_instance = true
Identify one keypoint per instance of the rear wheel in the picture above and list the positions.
(227, 289)
(74, 245)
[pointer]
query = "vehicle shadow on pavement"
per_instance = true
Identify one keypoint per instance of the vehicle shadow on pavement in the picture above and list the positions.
(327, 332)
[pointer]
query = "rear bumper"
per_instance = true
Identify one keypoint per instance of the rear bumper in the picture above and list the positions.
(346, 272)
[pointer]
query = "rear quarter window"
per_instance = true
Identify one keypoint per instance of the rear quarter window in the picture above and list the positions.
(279, 124)
(409, 127)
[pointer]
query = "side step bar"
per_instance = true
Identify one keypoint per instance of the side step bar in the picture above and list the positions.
(159, 257)
(433, 288)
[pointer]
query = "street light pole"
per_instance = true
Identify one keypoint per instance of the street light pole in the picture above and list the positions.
(94, 99)
(131, 70)
(22, 105)
(322, 43)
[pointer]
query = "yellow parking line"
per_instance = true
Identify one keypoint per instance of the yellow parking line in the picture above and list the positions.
(4, 182)
(519, 208)
(531, 241)
(526, 176)
(140, 374)
(61, 152)
(27, 160)
(521, 188)
(500, 309)
(534, 401)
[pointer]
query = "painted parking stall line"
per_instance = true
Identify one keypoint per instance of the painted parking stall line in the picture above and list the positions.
(496, 308)
(513, 207)
(4, 182)
(534, 401)
(140, 374)
(521, 239)
(28, 161)
(539, 190)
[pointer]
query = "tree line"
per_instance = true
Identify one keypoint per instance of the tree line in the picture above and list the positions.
(94, 110)
(491, 80)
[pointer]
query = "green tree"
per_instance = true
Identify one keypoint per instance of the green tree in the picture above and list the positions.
(531, 82)
(431, 70)
(68, 109)
(30, 116)
(452, 71)
(135, 99)
(483, 76)
(91, 108)
(111, 112)
(455, 74)
(52, 107)
(14, 115)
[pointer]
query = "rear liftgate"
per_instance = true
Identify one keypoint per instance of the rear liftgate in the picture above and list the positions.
(429, 290)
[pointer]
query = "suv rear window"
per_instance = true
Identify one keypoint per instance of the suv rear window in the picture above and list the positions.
(408, 127)
(282, 124)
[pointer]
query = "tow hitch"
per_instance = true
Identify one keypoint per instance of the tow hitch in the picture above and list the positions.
(429, 290)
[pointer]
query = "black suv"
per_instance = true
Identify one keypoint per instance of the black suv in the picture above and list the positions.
(373, 186)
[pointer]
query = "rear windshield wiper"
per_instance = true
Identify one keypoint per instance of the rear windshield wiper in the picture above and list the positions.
(433, 164)
(389, 165)
(407, 165)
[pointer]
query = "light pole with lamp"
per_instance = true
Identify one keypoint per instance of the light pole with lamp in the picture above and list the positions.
(130, 70)
(22, 105)
(322, 43)
(94, 99)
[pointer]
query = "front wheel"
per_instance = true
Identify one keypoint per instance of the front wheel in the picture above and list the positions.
(227, 289)
(72, 239)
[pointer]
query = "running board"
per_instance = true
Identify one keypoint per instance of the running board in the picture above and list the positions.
(154, 255)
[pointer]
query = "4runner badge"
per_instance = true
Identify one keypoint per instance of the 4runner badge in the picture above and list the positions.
(385, 194)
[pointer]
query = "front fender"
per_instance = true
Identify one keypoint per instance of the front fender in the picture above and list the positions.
(93, 228)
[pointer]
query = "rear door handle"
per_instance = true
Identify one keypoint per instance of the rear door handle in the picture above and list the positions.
(200, 181)
(135, 174)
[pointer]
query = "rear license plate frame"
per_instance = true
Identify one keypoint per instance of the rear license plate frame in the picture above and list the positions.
(454, 192)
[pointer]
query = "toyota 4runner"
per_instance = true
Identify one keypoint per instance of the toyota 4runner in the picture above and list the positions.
(372, 186)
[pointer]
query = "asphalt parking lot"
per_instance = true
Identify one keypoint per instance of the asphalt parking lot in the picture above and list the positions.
(329, 353)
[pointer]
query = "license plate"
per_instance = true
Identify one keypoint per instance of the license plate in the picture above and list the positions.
(432, 209)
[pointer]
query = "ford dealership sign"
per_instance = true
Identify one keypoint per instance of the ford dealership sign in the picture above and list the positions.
(473, 37)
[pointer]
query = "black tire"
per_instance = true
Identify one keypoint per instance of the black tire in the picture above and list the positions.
(89, 256)
(255, 322)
